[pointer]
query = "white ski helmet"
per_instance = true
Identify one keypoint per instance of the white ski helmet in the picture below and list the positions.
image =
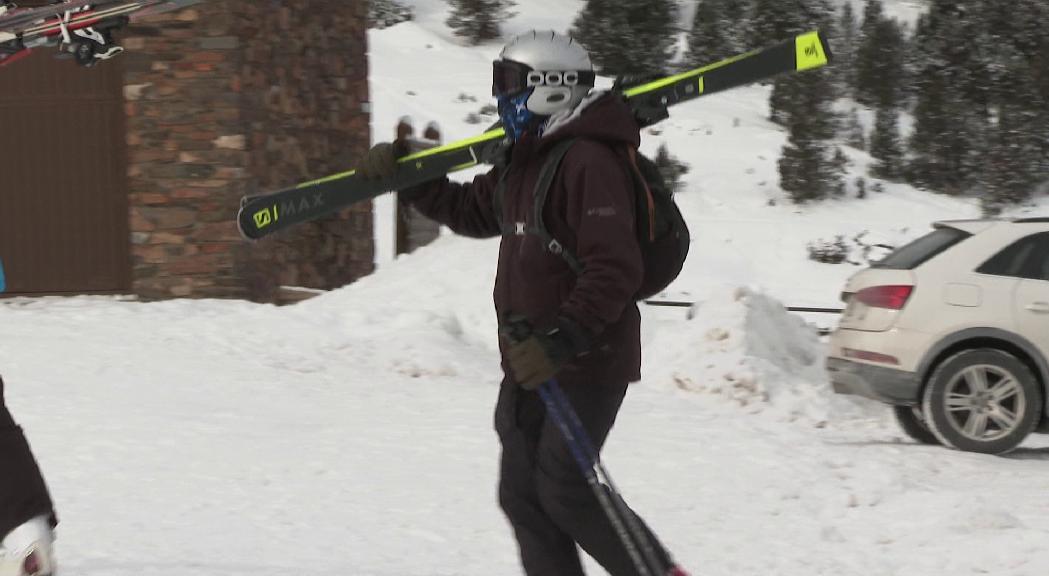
(555, 65)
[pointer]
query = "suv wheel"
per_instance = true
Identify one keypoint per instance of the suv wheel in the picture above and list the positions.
(912, 421)
(982, 400)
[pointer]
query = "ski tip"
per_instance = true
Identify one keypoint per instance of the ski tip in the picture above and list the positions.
(240, 226)
(812, 51)
(250, 225)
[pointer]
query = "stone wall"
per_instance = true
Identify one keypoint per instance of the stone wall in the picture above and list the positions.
(240, 96)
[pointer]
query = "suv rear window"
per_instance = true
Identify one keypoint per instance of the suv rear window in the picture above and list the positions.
(922, 250)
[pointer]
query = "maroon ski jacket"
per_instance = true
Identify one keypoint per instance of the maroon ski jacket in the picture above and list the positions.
(590, 210)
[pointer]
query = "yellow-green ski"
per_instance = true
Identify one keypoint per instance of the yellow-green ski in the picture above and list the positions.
(263, 215)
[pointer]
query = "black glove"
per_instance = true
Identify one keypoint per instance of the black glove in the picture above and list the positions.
(381, 161)
(536, 356)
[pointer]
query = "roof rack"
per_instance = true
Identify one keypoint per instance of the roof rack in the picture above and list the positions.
(1039, 220)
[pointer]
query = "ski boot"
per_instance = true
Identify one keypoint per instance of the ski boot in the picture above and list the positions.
(91, 46)
(29, 550)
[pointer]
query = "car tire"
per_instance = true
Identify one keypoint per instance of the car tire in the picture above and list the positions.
(982, 400)
(912, 420)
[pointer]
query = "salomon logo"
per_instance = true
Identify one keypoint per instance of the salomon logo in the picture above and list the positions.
(263, 217)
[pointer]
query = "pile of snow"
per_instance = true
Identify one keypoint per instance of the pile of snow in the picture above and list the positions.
(744, 347)
(428, 315)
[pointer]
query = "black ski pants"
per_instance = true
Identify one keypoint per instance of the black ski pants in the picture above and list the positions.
(542, 490)
(23, 494)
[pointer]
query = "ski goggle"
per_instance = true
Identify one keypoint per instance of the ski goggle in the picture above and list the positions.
(509, 77)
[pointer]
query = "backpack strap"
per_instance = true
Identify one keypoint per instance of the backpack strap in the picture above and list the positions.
(647, 202)
(542, 189)
(497, 199)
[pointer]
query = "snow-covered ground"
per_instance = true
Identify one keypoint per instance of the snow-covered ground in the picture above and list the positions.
(351, 434)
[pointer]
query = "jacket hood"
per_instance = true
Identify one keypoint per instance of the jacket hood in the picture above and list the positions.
(601, 116)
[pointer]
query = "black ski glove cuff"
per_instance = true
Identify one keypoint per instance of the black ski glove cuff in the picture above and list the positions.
(579, 338)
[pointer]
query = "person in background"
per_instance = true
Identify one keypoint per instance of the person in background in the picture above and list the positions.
(27, 515)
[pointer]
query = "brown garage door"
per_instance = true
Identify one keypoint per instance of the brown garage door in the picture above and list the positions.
(63, 182)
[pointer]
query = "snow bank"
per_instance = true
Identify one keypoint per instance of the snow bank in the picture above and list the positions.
(744, 347)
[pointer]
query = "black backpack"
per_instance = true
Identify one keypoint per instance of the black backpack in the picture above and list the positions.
(662, 232)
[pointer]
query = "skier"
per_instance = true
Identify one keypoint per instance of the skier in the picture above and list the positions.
(27, 516)
(585, 325)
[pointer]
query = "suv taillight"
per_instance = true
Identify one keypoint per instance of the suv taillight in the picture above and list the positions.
(891, 297)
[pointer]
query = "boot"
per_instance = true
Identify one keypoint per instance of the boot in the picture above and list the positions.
(29, 550)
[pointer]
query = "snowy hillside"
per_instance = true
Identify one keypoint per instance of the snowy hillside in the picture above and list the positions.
(351, 435)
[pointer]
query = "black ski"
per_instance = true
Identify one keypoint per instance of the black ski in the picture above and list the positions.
(263, 215)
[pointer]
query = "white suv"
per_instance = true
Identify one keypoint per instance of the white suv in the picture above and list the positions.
(953, 330)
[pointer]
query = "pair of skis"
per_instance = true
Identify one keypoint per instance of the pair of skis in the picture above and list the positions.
(266, 214)
(83, 28)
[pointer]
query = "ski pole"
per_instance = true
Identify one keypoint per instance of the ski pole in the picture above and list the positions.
(578, 441)
(633, 524)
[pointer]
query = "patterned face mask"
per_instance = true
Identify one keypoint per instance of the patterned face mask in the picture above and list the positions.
(514, 113)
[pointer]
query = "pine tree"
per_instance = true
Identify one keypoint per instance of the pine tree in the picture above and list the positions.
(479, 20)
(773, 20)
(846, 46)
(709, 41)
(386, 13)
(839, 167)
(861, 187)
(982, 93)
(929, 167)
(952, 113)
(737, 24)
(719, 30)
(887, 145)
(879, 61)
(1015, 158)
(802, 102)
(1011, 171)
(873, 12)
(854, 133)
(628, 37)
(807, 168)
